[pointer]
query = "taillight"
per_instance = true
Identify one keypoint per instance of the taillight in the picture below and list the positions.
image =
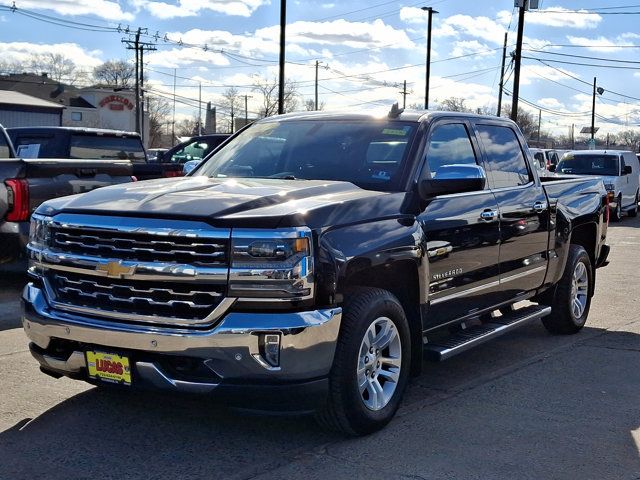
(18, 196)
(134, 178)
(173, 173)
(607, 211)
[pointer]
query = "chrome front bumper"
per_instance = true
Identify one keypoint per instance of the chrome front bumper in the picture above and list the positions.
(231, 350)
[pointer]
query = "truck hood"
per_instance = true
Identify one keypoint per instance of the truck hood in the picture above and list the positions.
(258, 203)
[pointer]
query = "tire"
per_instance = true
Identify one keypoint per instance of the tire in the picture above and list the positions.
(634, 211)
(566, 318)
(350, 409)
(616, 215)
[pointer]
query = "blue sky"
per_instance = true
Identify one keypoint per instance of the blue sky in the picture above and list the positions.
(363, 46)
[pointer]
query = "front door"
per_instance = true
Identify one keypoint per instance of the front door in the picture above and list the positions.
(462, 232)
(524, 212)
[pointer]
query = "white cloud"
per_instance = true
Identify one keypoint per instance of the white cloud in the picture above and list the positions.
(22, 52)
(413, 15)
(341, 32)
(482, 28)
(465, 47)
(328, 5)
(603, 44)
(556, 17)
(533, 73)
(178, 57)
(552, 103)
(190, 8)
(109, 9)
(265, 41)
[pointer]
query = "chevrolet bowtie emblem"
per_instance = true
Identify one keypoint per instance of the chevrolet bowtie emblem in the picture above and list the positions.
(116, 269)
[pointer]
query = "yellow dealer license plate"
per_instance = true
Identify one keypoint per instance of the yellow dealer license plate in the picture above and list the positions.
(109, 367)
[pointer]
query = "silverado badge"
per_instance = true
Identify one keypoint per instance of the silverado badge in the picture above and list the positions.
(116, 269)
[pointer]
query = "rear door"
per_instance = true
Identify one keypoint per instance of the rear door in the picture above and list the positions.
(462, 231)
(523, 206)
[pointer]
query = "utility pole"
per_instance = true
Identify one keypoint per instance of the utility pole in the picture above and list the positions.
(403, 92)
(283, 24)
(430, 11)
(316, 98)
(504, 59)
(518, 61)
(573, 136)
(199, 108)
(232, 116)
(246, 109)
(139, 48)
(173, 122)
(539, 124)
(593, 111)
(215, 120)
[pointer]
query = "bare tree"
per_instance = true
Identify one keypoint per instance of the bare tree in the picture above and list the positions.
(231, 106)
(159, 110)
(525, 120)
(454, 104)
(310, 105)
(115, 73)
(57, 66)
(629, 138)
(9, 67)
(268, 89)
(187, 127)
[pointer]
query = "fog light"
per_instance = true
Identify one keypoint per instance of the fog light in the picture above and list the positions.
(270, 349)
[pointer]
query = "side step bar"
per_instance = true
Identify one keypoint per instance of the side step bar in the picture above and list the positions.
(469, 338)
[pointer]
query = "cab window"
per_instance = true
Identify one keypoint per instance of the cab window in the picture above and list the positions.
(449, 145)
(505, 160)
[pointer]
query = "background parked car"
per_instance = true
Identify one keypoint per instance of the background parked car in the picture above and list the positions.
(89, 144)
(153, 154)
(196, 148)
(620, 172)
(540, 161)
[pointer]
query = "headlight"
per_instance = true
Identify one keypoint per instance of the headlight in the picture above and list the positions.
(271, 266)
(39, 234)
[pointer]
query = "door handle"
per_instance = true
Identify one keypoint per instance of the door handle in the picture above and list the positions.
(540, 207)
(489, 215)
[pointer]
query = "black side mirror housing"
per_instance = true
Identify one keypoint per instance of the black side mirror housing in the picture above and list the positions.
(451, 179)
(627, 170)
(552, 167)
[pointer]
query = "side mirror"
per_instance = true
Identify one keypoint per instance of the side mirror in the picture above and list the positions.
(450, 179)
(627, 170)
(552, 167)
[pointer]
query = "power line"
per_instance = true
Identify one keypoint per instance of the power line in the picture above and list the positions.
(584, 56)
(582, 64)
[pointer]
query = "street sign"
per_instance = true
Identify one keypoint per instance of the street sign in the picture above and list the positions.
(591, 143)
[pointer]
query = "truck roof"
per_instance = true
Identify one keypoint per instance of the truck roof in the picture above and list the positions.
(599, 152)
(406, 115)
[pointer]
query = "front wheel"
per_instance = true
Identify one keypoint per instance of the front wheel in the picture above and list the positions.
(572, 299)
(371, 365)
(617, 213)
(634, 211)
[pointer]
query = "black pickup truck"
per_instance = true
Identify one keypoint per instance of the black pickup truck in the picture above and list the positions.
(27, 182)
(312, 261)
(75, 143)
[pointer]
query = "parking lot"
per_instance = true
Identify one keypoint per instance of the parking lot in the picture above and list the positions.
(529, 405)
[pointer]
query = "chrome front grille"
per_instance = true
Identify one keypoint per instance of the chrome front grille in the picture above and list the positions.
(164, 273)
(184, 301)
(137, 246)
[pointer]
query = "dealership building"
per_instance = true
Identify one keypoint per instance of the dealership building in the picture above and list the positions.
(28, 100)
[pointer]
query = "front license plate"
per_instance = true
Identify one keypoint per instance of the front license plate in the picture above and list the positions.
(109, 367)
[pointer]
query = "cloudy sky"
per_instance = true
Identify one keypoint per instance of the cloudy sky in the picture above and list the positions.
(366, 49)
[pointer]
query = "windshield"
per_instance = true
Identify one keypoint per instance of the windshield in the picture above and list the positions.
(581, 164)
(370, 154)
(91, 147)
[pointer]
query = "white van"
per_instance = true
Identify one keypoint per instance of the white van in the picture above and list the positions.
(620, 171)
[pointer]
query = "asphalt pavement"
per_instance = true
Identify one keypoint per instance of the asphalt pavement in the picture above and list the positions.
(527, 405)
